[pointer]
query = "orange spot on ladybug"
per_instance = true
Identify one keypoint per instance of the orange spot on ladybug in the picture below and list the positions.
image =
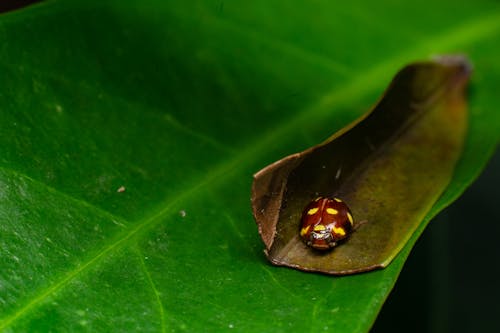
(304, 231)
(351, 220)
(319, 227)
(339, 231)
(332, 211)
(312, 211)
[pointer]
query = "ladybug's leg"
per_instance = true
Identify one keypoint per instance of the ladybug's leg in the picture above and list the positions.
(357, 225)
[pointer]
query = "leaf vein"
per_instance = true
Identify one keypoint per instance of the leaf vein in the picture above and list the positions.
(151, 284)
(98, 211)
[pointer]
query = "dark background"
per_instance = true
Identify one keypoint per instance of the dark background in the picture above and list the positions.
(450, 282)
(8, 5)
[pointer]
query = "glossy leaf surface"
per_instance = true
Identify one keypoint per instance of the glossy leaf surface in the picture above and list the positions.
(390, 166)
(180, 103)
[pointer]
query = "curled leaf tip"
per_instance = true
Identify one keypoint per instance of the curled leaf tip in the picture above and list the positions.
(454, 60)
(389, 167)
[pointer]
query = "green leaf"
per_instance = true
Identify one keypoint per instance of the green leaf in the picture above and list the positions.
(180, 103)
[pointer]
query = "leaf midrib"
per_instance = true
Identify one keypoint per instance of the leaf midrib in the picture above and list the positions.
(472, 31)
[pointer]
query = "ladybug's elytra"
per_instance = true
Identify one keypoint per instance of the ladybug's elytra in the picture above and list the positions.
(325, 222)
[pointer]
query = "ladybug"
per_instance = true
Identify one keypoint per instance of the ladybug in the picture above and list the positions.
(325, 222)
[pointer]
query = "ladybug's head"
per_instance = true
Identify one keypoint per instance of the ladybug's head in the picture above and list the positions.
(321, 238)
